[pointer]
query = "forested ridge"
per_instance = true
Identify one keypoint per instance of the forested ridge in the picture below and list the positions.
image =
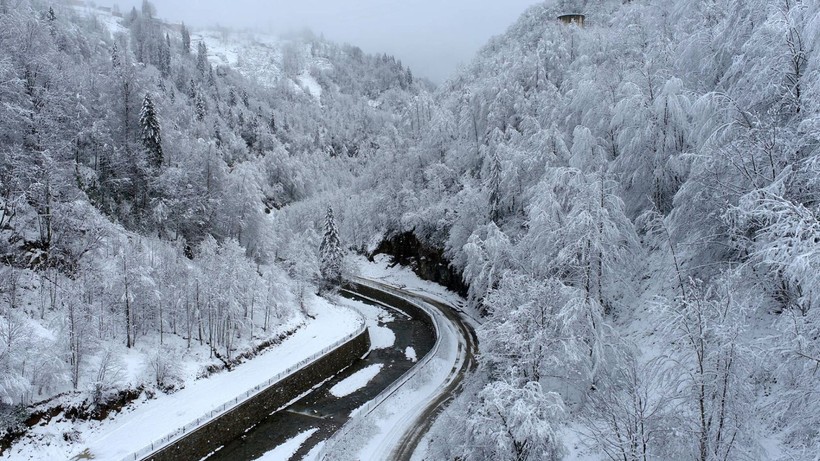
(139, 186)
(632, 204)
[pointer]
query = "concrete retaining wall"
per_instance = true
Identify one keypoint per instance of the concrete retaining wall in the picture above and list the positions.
(233, 424)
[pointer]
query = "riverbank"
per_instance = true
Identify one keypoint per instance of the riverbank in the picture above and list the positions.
(149, 419)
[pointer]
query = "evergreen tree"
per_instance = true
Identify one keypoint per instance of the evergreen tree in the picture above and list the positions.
(186, 40)
(148, 9)
(165, 57)
(330, 252)
(202, 58)
(200, 107)
(51, 17)
(151, 136)
(115, 57)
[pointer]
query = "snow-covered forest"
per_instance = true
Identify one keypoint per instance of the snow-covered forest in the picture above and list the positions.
(632, 204)
(139, 189)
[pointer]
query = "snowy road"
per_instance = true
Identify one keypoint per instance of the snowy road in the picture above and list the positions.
(392, 425)
(330, 405)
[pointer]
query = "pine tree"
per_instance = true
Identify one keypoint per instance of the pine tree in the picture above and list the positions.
(115, 57)
(231, 97)
(199, 106)
(151, 136)
(330, 252)
(165, 57)
(51, 17)
(186, 40)
(202, 58)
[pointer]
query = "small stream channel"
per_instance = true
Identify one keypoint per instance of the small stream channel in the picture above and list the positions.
(320, 409)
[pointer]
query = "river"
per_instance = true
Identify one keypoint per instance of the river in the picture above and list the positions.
(323, 411)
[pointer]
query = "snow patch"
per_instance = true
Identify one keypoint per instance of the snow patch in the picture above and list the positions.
(310, 85)
(356, 381)
(108, 20)
(289, 448)
(410, 353)
(381, 337)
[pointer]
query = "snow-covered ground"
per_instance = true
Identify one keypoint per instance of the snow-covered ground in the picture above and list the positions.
(256, 55)
(403, 277)
(261, 57)
(381, 337)
(309, 83)
(147, 421)
(289, 448)
(111, 22)
(410, 353)
(356, 381)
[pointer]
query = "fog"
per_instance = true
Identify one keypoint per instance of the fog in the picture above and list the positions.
(431, 36)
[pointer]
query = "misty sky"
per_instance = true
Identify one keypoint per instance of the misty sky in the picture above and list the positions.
(431, 36)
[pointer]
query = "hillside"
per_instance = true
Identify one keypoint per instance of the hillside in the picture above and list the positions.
(633, 205)
(140, 177)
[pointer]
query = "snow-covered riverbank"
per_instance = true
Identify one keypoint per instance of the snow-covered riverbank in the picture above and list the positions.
(147, 420)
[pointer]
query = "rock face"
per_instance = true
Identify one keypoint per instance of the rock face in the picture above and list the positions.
(234, 423)
(426, 261)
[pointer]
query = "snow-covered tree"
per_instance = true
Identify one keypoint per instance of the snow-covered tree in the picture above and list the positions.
(186, 39)
(705, 327)
(331, 254)
(150, 131)
(199, 106)
(202, 58)
(515, 423)
(493, 185)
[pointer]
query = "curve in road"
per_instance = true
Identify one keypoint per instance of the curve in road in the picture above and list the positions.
(330, 416)
(401, 441)
(323, 412)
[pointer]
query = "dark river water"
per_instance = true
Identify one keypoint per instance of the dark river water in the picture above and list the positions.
(322, 411)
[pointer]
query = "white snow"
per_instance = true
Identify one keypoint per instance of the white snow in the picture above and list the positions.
(403, 277)
(287, 449)
(153, 419)
(381, 337)
(309, 83)
(111, 22)
(410, 353)
(260, 57)
(356, 381)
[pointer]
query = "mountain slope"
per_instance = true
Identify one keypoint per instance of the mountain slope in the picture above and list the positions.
(632, 205)
(139, 188)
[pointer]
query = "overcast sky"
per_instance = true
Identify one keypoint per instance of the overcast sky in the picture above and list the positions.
(431, 36)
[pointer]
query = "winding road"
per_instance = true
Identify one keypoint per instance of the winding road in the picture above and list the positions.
(453, 347)
(456, 350)
(410, 440)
